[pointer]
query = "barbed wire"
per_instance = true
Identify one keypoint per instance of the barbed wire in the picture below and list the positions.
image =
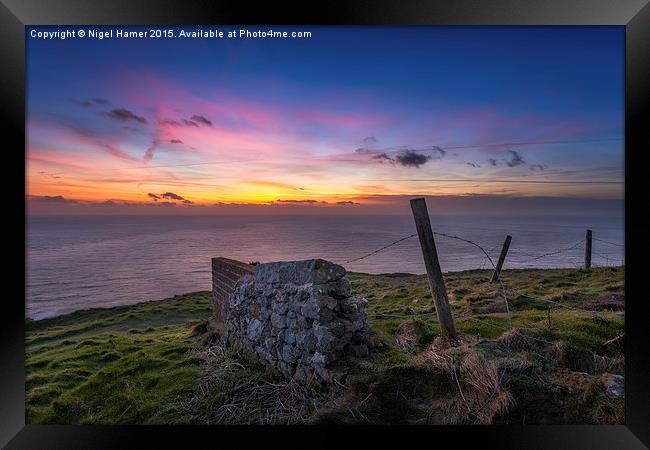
(508, 313)
(467, 241)
(480, 247)
(536, 257)
(381, 249)
(545, 300)
(504, 290)
(607, 242)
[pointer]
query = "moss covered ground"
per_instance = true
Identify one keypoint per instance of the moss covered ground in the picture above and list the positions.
(535, 361)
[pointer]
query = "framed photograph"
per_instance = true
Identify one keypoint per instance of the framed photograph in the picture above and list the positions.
(428, 215)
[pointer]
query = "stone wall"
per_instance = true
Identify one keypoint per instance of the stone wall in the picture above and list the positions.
(299, 317)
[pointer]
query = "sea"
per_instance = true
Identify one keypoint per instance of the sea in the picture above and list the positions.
(83, 262)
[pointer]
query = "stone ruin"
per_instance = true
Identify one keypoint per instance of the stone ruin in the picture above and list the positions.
(299, 317)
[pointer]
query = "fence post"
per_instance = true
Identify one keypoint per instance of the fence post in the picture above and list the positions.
(434, 274)
(588, 250)
(502, 258)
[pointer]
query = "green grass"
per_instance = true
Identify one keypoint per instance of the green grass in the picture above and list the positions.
(155, 362)
(130, 364)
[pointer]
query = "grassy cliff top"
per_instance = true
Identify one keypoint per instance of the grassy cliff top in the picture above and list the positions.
(551, 360)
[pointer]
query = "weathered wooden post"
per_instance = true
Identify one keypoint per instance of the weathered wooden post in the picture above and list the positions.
(502, 258)
(434, 274)
(588, 250)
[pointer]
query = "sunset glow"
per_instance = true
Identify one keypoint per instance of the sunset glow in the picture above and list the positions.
(346, 120)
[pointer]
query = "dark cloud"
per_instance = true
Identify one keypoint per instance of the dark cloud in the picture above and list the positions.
(49, 175)
(89, 103)
(52, 199)
(383, 157)
(407, 158)
(473, 164)
(201, 119)
(171, 196)
(540, 167)
(171, 122)
(347, 203)
(515, 160)
(117, 152)
(176, 141)
(297, 201)
(410, 158)
(233, 204)
(367, 142)
(193, 121)
(151, 150)
(176, 123)
(167, 203)
(125, 115)
(84, 103)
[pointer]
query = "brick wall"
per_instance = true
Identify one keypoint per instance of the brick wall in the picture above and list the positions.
(225, 275)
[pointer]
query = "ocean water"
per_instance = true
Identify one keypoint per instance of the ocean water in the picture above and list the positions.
(84, 262)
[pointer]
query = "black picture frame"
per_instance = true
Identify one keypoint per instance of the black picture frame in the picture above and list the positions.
(634, 15)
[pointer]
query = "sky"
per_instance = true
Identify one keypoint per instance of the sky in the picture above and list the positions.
(350, 120)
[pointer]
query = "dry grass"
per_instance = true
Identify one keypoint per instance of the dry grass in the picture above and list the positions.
(614, 364)
(412, 334)
(480, 395)
(254, 395)
(405, 337)
(517, 340)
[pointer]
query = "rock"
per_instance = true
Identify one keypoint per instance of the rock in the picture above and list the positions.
(286, 368)
(315, 271)
(352, 326)
(280, 308)
(255, 311)
(319, 359)
(254, 329)
(264, 354)
(614, 385)
(289, 336)
(322, 373)
(278, 320)
(353, 305)
(287, 354)
(298, 317)
(337, 328)
(338, 289)
(292, 323)
(324, 338)
(270, 344)
(306, 340)
(310, 309)
(326, 302)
